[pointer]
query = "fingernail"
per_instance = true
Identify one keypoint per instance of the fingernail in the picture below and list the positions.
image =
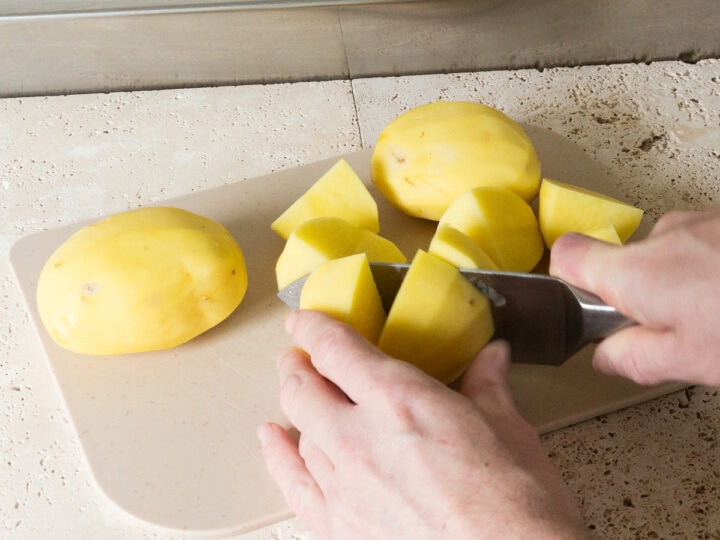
(264, 434)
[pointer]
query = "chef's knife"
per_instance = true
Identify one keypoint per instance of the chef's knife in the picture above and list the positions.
(545, 319)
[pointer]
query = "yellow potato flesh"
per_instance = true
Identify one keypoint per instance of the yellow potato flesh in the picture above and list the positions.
(501, 223)
(338, 193)
(564, 208)
(428, 156)
(459, 249)
(344, 289)
(141, 280)
(438, 321)
(606, 234)
(313, 242)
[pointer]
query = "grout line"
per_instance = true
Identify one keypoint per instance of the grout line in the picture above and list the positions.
(357, 114)
(350, 78)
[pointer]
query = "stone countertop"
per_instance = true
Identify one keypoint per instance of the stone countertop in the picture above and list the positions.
(650, 471)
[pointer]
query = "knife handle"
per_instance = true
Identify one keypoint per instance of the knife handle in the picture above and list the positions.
(599, 319)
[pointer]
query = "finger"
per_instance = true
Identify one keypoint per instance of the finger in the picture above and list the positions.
(683, 219)
(638, 353)
(673, 220)
(485, 381)
(317, 462)
(580, 259)
(288, 470)
(607, 270)
(312, 403)
(337, 352)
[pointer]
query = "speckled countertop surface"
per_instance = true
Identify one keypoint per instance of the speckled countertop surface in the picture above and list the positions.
(649, 471)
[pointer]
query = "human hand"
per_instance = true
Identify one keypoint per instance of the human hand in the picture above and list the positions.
(669, 283)
(386, 452)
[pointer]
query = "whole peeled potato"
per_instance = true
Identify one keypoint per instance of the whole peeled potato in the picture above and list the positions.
(429, 155)
(140, 280)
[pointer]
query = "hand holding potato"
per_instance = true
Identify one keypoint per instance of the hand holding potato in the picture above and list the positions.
(386, 452)
(669, 283)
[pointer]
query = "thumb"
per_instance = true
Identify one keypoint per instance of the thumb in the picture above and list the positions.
(640, 354)
(485, 381)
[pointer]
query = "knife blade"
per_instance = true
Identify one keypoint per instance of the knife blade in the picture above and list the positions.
(545, 319)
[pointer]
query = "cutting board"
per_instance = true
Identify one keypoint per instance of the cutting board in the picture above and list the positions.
(170, 436)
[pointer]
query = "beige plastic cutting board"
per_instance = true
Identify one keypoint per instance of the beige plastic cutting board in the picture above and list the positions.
(170, 436)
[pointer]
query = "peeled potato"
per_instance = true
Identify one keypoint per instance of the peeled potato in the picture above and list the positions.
(566, 208)
(459, 249)
(344, 289)
(439, 321)
(313, 242)
(141, 280)
(501, 223)
(337, 193)
(606, 234)
(428, 156)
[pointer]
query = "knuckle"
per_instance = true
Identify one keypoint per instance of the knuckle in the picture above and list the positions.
(303, 445)
(404, 419)
(632, 362)
(671, 219)
(329, 342)
(398, 400)
(289, 391)
(635, 368)
(619, 283)
(355, 456)
(297, 495)
(349, 448)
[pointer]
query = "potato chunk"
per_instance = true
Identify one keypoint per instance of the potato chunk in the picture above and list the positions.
(338, 193)
(606, 234)
(501, 223)
(459, 249)
(564, 208)
(344, 289)
(439, 321)
(313, 242)
(428, 156)
(141, 280)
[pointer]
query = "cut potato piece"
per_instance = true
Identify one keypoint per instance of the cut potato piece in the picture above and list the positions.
(564, 208)
(344, 289)
(322, 239)
(459, 249)
(501, 223)
(439, 321)
(606, 234)
(338, 193)
(428, 156)
(141, 280)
